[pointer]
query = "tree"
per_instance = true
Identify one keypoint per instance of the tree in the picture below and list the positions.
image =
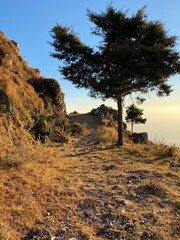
(134, 115)
(134, 55)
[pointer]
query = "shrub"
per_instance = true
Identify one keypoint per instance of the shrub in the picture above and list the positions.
(76, 128)
(50, 126)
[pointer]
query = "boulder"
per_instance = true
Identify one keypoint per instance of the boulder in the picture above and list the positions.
(140, 137)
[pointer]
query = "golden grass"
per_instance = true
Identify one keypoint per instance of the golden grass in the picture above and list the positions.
(106, 134)
(26, 177)
(41, 182)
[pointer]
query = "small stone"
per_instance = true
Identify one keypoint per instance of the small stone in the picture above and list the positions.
(165, 200)
(121, 203)
(115, 187)
(110, 167)
(129, 226)
(174, 164)
(146, 235)
(75, 238)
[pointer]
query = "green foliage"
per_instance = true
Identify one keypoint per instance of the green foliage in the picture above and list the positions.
(134, 115)
(76, 128)
(135, 55)
(54, 127)
(50, 126)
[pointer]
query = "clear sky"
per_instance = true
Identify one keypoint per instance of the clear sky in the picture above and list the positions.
(29, 22)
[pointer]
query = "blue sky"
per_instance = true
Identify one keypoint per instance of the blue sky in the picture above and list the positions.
(29, 22)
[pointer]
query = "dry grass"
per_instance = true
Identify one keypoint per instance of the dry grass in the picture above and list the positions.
(56, 188)
(26, 177)
(106, 134)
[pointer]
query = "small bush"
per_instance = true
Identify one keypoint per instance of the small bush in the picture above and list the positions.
(76, 128)
(50, 126)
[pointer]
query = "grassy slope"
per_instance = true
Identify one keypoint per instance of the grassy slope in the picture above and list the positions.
(89, 190)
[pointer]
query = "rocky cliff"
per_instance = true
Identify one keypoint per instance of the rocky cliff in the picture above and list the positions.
(27, 100)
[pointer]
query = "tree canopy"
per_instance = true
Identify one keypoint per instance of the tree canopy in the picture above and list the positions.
(134, 55)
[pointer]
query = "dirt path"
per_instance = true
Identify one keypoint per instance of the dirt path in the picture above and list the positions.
(109, 194)
(89, 141)
(86, 118)
(96, 192)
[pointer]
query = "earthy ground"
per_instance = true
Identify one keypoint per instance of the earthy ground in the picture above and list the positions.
(85, 190)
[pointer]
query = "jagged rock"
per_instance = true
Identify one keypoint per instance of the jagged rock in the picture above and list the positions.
(103, 109)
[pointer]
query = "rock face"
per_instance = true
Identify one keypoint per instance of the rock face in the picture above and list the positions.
(53, 97)
(25, 95)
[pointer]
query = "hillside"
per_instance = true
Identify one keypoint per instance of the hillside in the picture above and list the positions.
(25, 96)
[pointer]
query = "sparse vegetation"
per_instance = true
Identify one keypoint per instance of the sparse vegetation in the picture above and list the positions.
(89, 190)
(86, 187)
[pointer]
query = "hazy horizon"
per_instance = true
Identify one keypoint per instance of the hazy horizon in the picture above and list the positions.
(162, 122)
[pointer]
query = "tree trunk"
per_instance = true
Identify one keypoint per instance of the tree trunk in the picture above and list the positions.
(120, 122)
(132, 126)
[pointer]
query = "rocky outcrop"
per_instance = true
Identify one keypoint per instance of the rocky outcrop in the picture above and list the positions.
(49, 91)
(108, 113)
(105, 111)
(26, 96)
